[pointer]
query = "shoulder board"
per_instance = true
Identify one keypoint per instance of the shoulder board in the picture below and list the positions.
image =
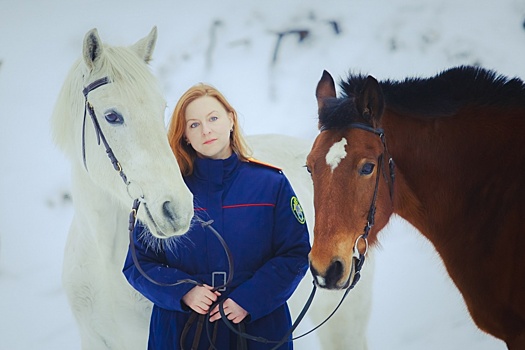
(268, 165)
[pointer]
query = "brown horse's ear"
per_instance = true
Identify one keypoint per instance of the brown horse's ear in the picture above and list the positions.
(325, 89)
(370, 103)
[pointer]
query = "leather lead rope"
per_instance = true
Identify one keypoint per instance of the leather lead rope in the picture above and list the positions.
(204, 224)
(286, 338)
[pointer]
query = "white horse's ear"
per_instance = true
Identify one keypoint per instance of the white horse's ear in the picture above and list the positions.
(145, 46)
(92, 48)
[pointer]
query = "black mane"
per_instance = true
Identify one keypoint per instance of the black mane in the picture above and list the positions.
(444, 93)
(337, 113)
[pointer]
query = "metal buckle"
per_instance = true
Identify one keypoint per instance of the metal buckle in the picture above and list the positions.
(218, 278)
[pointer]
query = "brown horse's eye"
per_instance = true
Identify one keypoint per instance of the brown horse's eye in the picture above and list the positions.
(367, 169)
(308, 169)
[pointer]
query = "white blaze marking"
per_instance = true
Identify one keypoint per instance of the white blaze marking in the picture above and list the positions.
(336, 153)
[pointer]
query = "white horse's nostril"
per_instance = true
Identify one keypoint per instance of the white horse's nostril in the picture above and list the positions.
(169, 211)
(179, 223)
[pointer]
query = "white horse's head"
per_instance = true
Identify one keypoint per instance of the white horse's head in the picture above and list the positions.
(130, 112)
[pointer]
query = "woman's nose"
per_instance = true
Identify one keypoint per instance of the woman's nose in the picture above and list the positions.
(205, 129)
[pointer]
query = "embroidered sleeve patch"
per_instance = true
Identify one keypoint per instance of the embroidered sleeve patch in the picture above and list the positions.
(297, 210)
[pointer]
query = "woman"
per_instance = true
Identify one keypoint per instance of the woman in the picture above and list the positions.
(255, 210)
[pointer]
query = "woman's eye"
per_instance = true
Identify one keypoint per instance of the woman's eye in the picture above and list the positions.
(367, 169)
(113, 117)
(213, 118)
(194, 125)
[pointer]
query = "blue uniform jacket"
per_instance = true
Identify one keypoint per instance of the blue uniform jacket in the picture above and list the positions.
(255, 210)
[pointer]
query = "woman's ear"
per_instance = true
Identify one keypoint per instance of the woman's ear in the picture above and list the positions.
(230, 116)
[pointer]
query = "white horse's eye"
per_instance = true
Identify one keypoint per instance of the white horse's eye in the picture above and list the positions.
(114, 117)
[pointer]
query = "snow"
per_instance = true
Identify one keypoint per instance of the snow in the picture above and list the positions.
(416, 306)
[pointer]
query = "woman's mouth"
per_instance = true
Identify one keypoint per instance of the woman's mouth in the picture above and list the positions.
(209, 141)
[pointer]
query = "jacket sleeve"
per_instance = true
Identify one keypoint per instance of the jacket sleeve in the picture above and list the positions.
(152, 261)
(275, 281)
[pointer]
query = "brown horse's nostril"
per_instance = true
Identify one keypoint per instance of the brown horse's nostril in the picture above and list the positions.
(334, 274)
(319, 280)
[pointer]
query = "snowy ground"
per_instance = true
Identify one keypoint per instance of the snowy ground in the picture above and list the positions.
(231, 44)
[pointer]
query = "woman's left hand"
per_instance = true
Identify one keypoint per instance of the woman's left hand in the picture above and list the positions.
(233, 312)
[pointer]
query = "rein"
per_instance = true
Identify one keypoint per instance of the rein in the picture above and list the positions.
(205, 224)
(299, 318)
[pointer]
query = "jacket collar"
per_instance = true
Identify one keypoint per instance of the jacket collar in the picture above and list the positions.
(215, 170)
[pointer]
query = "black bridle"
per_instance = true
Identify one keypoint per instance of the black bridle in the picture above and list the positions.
(100, 135)
(205, 224)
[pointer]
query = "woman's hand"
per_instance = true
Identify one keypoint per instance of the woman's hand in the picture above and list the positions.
(233, 312)
(200, 298)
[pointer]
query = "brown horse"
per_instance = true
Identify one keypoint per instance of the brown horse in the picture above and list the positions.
(458, 143)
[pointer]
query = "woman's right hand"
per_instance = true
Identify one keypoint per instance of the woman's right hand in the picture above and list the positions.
(200, 298)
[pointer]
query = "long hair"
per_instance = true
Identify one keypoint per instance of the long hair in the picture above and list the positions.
(185, 153)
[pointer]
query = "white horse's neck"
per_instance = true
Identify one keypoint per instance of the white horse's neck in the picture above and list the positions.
(101, 216)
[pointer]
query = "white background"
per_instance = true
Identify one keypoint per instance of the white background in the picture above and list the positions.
(415, 304)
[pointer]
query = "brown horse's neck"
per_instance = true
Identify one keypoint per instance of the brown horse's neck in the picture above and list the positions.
(459, 181)
(450, 170)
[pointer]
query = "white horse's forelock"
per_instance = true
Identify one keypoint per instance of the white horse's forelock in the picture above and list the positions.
(120, 64)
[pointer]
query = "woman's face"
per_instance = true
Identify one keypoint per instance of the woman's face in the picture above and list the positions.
(208, 126)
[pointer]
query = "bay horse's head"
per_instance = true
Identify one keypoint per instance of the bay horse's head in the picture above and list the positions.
(347, 164)
(110, 99)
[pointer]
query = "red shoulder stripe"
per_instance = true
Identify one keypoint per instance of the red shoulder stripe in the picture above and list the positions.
(231, 206)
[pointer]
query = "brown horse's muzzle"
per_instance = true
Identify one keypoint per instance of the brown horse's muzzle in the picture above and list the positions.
(340, 273)
(335, 276)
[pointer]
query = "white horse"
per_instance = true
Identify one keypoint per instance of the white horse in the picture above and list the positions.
(129, 109)
(130, 112)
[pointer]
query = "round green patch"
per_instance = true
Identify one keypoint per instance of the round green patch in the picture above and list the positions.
(297, 210)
